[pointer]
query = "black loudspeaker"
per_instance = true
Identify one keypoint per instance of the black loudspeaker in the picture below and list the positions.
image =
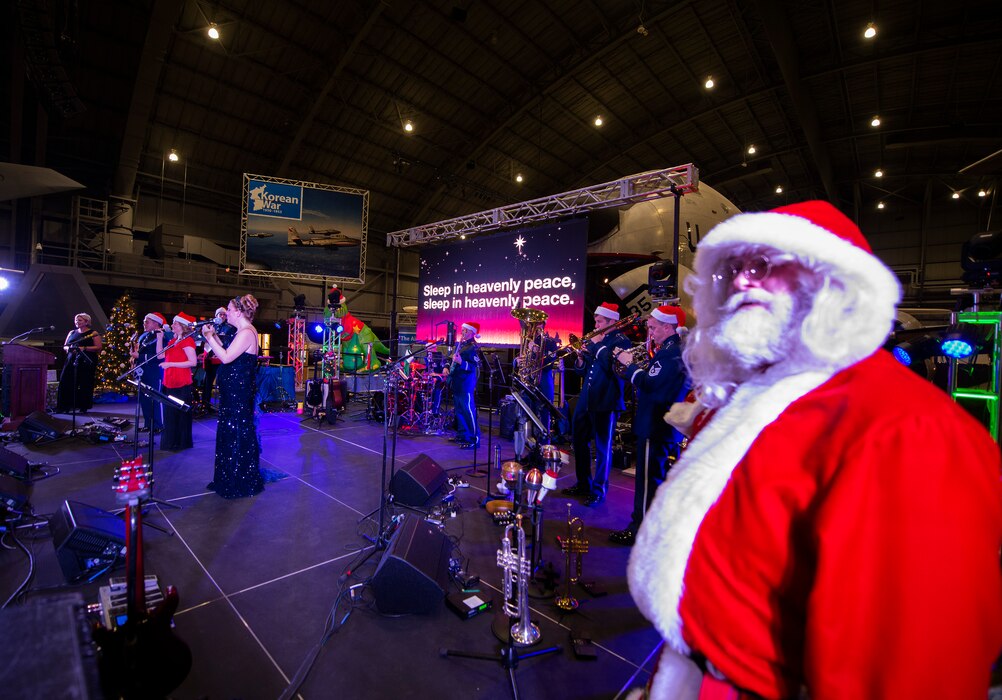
(415, 483)
(41, 427)
(14, 493)
(86, 538)
(414, 571)
(13, 463)
(508, 412)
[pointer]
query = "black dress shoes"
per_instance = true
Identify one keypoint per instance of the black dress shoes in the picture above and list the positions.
(594, 501)
(626, 537)
(469, 445)
(576, 490)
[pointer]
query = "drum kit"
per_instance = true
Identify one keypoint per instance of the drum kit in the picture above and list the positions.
(415, 399)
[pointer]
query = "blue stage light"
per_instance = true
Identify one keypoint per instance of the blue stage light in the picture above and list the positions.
(902, 356)
(957, 347)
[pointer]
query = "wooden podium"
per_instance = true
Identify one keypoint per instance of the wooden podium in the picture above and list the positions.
(25, 374)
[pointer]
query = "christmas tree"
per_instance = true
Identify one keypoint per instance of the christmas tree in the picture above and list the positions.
(115, 359)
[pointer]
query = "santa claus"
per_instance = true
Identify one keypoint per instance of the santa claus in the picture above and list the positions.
(835, 524)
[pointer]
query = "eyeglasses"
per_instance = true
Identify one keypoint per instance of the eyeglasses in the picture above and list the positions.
(754, 269)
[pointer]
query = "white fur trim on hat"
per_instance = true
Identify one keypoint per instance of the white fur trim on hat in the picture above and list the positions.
(184, 319)
(790, 233)
(607, 312)
(155, 317)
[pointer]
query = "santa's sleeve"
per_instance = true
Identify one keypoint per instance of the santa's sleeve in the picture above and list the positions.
(907, 597)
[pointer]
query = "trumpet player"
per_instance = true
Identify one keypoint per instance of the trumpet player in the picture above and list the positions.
(599, 403)
(659, 383)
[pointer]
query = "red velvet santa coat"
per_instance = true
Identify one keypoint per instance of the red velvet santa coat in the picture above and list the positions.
(840, 532)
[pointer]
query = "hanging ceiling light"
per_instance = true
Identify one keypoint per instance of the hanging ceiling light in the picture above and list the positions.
(878, 173)
(518, 177)
(213, 31)
(982, 193)
(880, 205)
(709, 82)
(779, 189)
(955, 195)
(875, 121)
(598, 120)
(751, 150)
(408, 126)
(870, 31)
(173, 157)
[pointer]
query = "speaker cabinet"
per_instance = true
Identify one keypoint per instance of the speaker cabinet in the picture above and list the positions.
(414, 572)
(417, 481)
(41, 427)
(14, 493)
(86, 538)
(13, 463)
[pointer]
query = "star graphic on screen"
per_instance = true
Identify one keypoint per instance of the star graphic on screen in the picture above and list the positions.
(519, 242)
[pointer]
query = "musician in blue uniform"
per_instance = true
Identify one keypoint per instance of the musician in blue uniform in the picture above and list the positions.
(599, 403)
(464, 372)
(658, 385)
(147, 345)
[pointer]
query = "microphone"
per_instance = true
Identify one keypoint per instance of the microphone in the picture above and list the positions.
(214, 321)
(42, 329)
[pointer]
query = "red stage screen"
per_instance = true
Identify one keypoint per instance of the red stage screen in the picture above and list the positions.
(483, 279)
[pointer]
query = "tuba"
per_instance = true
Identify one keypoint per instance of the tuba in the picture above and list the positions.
(530, 361)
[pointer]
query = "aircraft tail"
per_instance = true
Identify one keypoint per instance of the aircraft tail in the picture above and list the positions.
(294, 238)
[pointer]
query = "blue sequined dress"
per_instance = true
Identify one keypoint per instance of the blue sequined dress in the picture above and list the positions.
(237, 473)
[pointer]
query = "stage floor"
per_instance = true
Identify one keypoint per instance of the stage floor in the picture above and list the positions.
(258, 576)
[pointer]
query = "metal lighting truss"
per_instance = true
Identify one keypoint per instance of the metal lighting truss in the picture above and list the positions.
(678, 180)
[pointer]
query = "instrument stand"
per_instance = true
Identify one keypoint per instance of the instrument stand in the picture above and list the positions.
(508, 656)
(474, 471)
(381, 540)
(158, 397)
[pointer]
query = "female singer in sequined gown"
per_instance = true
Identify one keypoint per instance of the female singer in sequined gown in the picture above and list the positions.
(237, 472)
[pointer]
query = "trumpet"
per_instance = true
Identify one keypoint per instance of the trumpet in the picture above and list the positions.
(516, 569)
(575, 345)
(574, 547)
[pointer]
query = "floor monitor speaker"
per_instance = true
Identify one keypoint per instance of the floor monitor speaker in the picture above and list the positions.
(86, 538)
(414, 572)
(14, 494)
(14, 463)
(41, 427)
(416, 482)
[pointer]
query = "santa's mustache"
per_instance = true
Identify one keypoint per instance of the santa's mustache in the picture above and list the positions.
(749, 296)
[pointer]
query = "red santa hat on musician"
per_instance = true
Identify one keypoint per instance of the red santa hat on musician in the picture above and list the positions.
(472, 326)
(609, 311)
(669, 314)
(157, 318)
(184, 319)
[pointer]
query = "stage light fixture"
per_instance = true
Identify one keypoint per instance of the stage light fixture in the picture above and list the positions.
(4, 284)
(964, 340)
(912, 352)
(315, 332)
(299, 303)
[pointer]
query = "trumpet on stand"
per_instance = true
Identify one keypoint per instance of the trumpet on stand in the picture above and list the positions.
(515, 571)
(574, 546)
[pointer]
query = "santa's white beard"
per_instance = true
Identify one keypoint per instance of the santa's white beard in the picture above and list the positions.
(759, 335)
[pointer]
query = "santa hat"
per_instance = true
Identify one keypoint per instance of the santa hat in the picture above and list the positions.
(669, 314)
(814, 232)
(472, 326)
(155, 317)
(608, 310)
(184, 319)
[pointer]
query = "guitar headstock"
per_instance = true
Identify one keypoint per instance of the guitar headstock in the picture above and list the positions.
(132, 480)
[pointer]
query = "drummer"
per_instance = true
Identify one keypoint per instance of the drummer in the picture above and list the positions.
(437, 372)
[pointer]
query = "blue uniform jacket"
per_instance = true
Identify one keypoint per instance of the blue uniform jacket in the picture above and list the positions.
(464, 375)
(661, 385)
(602, 390)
